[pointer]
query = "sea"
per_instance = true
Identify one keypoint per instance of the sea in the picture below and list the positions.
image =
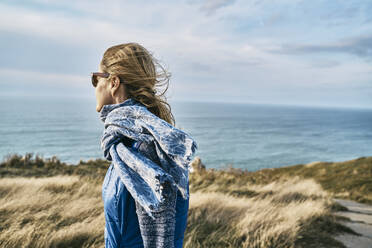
(241, 135)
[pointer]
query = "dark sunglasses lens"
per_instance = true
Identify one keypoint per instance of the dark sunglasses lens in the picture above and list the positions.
(94, 80)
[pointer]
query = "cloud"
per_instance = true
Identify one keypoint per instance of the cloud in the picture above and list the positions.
(50, 41)
(237, 47)
(211, 6)
(31, 77)
(55, 27)
(27, 82)
(325, 63)
(360, 46)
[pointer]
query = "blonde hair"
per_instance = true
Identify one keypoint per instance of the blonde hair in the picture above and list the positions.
(141, 74)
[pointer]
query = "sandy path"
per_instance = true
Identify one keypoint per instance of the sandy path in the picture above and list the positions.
(361, 222)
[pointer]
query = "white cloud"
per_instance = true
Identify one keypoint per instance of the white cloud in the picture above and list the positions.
(42, 77)
(175, 41)
(228, 48)
(210, 6)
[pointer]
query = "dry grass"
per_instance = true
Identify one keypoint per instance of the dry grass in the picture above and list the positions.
(65, 211)
(59, 211)
(348, 179)
(274, 217)
(51, 204)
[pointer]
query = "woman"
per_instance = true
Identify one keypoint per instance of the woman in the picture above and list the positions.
(142, 205)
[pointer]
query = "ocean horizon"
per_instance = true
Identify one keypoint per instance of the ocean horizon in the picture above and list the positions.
(244, 135)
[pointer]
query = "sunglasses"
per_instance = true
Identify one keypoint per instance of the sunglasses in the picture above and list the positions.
(100, 74)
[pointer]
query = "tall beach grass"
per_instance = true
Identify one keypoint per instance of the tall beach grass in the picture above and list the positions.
(50, 204)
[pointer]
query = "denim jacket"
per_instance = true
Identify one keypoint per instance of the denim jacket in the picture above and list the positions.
(127, 223)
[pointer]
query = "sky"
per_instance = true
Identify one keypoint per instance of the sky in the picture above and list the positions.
(310, 53)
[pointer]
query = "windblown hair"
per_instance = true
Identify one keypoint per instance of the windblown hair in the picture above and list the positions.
(142, 76)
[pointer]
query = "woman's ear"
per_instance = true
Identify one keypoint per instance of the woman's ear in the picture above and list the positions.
(115, 84)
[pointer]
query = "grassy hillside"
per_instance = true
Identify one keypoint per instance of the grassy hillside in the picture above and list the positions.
(46, 203)
(350, 179)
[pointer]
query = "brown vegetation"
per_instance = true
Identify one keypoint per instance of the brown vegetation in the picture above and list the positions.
(46, 203)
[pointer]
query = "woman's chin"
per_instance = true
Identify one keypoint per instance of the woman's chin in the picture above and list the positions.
(98, 108)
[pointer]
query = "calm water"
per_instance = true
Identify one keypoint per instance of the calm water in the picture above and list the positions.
(245, 135)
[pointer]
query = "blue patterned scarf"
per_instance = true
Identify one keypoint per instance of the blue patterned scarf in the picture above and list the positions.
(143, 178)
